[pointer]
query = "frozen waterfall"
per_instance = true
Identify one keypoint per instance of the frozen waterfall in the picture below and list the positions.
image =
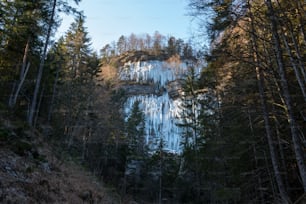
(160, 73)
(161, 116)
(162, 112)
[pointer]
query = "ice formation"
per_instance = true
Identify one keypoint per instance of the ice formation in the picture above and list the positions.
(162, 112)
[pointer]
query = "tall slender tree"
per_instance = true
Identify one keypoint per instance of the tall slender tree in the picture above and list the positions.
(298, 149)
(51, 14)
(263, 99)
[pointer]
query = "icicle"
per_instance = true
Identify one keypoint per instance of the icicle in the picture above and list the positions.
(161, 112)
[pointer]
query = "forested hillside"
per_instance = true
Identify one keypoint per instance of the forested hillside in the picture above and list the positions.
(255, 140)
(240, 115)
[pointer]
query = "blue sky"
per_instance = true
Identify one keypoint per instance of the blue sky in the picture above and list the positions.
(107, 20)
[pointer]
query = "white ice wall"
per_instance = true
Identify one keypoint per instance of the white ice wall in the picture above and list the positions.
(161, 112)
(152, 71)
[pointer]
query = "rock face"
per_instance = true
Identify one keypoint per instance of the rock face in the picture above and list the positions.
(141, 89)
(174, 89)
(139, 56)
(157, 85)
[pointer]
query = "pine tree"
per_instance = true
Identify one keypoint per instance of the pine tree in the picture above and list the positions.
(43, 16)
(135, 131)
(78, 49)
(251, 44)
(192, 138)
(79, 66)
(136, 148)
(22, 28)
(33, 109)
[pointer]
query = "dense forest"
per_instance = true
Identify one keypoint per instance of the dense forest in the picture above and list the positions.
(244, 118)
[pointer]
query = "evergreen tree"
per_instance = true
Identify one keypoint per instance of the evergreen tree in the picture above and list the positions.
(137, 152)
(22, 28)
(76, 99)
(78, 49)
(135, 131)
(192, 138)
(34, 108)
(26, 28)
(252, 58)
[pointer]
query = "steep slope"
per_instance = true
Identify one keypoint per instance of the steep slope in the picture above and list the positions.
(30, 172)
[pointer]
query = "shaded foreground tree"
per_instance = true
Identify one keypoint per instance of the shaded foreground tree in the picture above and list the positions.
(263, 99)
(256, 54)
(33, 109)
(297, 142)
(26, 29)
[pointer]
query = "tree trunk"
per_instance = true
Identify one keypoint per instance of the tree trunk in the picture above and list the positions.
(38, 106)
(274, 159)
(297, 143)
(41, 68)
(12, 102)
(263, 100)
(53, 95)
(259, 189)
(23, 73)
(294, 52)
(295, 67)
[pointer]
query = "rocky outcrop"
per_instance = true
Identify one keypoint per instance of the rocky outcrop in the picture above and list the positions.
(141, 89)
(139, 56)
(174, 89)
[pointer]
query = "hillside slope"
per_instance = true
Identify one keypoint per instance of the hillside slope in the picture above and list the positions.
(31, 173)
